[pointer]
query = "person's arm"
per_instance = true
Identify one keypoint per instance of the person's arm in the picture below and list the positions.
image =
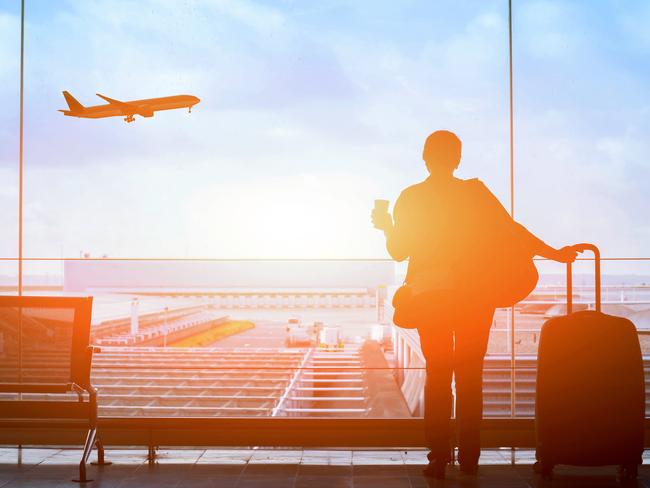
(537, 246)
(566, 254)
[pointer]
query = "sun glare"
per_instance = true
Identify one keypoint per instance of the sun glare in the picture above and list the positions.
(294, 217)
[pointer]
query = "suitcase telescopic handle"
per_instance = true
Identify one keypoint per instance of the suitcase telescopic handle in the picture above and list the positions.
(569, 276)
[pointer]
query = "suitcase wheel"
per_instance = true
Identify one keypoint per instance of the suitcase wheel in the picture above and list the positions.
(628, 472)
(545, 470)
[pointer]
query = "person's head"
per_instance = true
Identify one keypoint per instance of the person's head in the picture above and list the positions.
(442, 151)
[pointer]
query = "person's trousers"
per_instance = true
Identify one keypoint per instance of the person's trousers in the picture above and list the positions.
(455, 343)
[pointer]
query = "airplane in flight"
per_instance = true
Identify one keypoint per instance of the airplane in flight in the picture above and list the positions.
(115, 108)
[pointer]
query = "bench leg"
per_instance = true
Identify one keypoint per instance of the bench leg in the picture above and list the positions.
(88, 446)
(151, 456)
(100, 454)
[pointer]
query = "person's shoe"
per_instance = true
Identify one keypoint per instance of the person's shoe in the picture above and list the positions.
(469, 468)
(435, 469)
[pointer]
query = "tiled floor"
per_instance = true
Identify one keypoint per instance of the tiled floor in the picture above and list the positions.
(249, 468)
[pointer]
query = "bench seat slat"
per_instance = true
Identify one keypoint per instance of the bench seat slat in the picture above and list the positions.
(35, 387)
(28, 409)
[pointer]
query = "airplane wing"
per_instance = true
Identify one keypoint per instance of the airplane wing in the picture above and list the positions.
(117, 103)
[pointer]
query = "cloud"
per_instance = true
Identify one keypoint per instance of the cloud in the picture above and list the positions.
(634, 19)
(299, 216)
(277, 101)
(9, 45)
(548, 30)
(343, 93)
(581, 126)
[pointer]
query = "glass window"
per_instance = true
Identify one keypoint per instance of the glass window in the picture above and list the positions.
(581, 99)
(9, 116)
(307, 114)
(582, 121)
(230, 251)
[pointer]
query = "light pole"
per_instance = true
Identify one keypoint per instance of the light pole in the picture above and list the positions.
(165, 327)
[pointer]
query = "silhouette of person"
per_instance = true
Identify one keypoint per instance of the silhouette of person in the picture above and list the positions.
(440, 225)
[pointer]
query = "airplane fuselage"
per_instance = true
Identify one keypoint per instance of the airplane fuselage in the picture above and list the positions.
(145, 107)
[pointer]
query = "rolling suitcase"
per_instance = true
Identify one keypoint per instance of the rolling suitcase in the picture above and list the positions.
(590, 398)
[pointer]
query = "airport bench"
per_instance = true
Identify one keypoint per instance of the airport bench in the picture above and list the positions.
(45, 363)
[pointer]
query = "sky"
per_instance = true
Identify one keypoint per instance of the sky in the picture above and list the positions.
(311, 110)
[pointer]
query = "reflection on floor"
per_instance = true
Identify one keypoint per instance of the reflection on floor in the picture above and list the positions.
(241, 468)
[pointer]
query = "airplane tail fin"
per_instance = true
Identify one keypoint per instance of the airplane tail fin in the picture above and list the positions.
(74, 105)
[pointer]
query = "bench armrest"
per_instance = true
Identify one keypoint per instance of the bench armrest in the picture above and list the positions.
(36, 387)
(82, 369)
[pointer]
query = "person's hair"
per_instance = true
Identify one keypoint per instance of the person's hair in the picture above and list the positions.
(442, 148)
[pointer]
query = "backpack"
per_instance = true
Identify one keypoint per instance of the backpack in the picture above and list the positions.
(493, 267)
